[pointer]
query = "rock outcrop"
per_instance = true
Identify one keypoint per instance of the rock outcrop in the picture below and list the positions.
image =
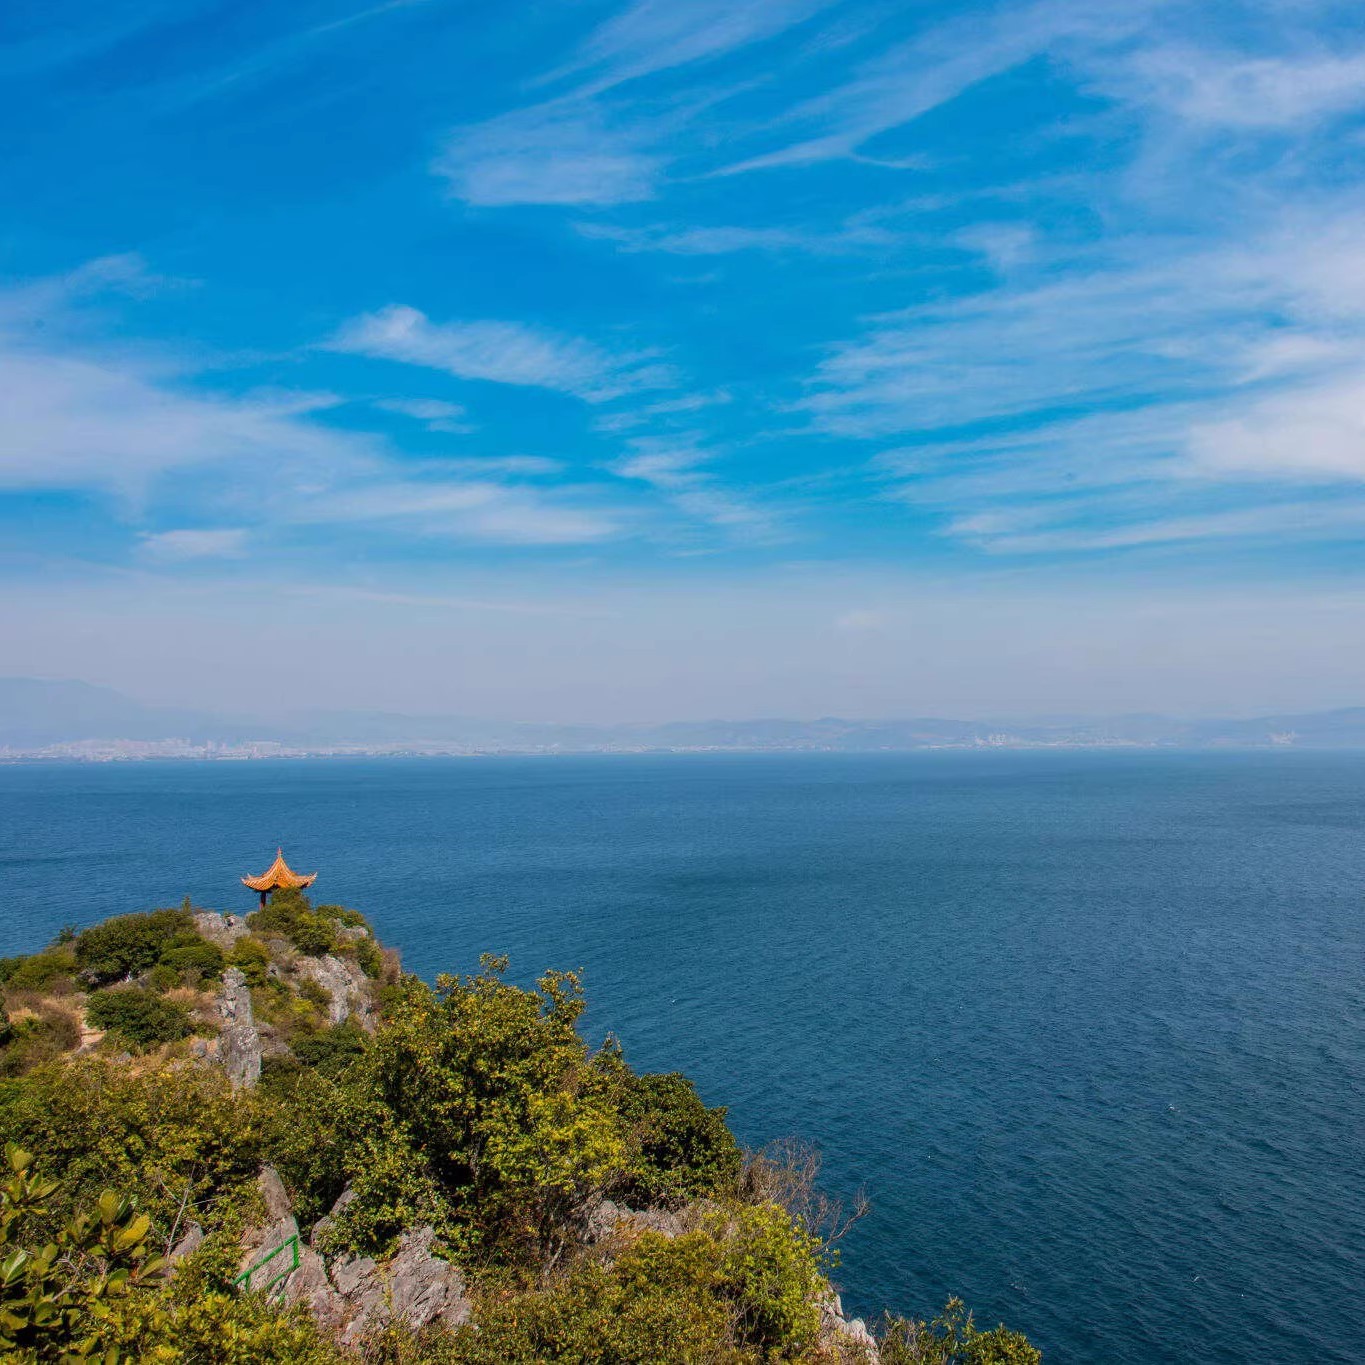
(224, 930)
(239, 1042)
(346, 986)
(849, 1337)
(607, 1219)
(354, 1295)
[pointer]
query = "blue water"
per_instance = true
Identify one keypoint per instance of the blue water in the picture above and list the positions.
(1089, 1028)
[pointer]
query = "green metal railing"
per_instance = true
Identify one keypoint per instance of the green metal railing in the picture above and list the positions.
(291, 1246)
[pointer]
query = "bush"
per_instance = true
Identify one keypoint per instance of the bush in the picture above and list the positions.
(39, 971)
(953, 1339)
(140, 1018)
(683, 1150)
(179, 1135)
(477, 1109)
(128, 944)
(200, 960)
(331, 1051)
(290, 915)
(162, 978)
(252, 958)
(740, 1288)
(370, 956)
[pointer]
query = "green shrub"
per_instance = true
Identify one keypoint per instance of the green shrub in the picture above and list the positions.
(252, 958)
(476, 1108)
(953, 1338)
(290, 915)
(140, 1018)
(352, 919)
(682, 1149)
(198, 961)
(128, 944)
(370, 956)
(54, 1298)
(162, 978)
(742, 1288)
(331, 1051)
(314, 935)
(39, 971)
(179, 1135)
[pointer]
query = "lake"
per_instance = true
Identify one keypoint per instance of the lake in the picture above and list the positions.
(1088, 1027)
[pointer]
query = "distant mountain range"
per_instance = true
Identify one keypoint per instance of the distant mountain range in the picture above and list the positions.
(75, 719)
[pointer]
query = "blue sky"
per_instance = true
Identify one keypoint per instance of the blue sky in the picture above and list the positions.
(584, 359)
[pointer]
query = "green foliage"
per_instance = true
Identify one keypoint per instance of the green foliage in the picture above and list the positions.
(194, 960)
(39, 971)
(476, 1108)
(56, 1298)
(290, 915)
(682, 1150)
(369, 955)
(179, 1134)
(44, 1031)
(97, 1293)
(332, 1050)
(741, 1287)
(252, 958)
(352, 919)
(162, 978)
(314, 992)
(128, 944)
(137, 1017)
(953, 1338)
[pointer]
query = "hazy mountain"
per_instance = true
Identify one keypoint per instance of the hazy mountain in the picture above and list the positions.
(37, 714)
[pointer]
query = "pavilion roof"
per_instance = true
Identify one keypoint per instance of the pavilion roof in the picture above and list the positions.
(278, 876)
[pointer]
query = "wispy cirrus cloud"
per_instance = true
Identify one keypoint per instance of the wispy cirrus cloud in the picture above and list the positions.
(650, 36)
(501, 353)
(176, 546)
(1138, 404)
(677, 468)
(585, 148)
(434, 413)
(566, 152)
(77, 415)
(473, 509)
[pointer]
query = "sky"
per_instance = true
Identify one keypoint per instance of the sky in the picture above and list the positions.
(685, 358)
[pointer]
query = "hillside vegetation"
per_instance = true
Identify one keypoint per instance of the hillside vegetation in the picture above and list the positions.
(259, 1140)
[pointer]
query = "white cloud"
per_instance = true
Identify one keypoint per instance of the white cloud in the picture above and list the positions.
(433, 413)
(674, 468)
(479, 510)
(563, 152)
(1233, 90)
(500, 352)
(654, 35)
(72, 421)
(174, 546)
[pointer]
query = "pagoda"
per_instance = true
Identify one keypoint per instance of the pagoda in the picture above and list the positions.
(277, 877)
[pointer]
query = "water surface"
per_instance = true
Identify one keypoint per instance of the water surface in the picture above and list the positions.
(1089, 1028)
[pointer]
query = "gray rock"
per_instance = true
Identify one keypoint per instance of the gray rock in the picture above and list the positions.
(224, 930)
(847, 1337)
(416, 1287)
(356, 1295)
(239, 1042)
(278, 1230)
(187, 1245)
(607, 1219)
(346, 986)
